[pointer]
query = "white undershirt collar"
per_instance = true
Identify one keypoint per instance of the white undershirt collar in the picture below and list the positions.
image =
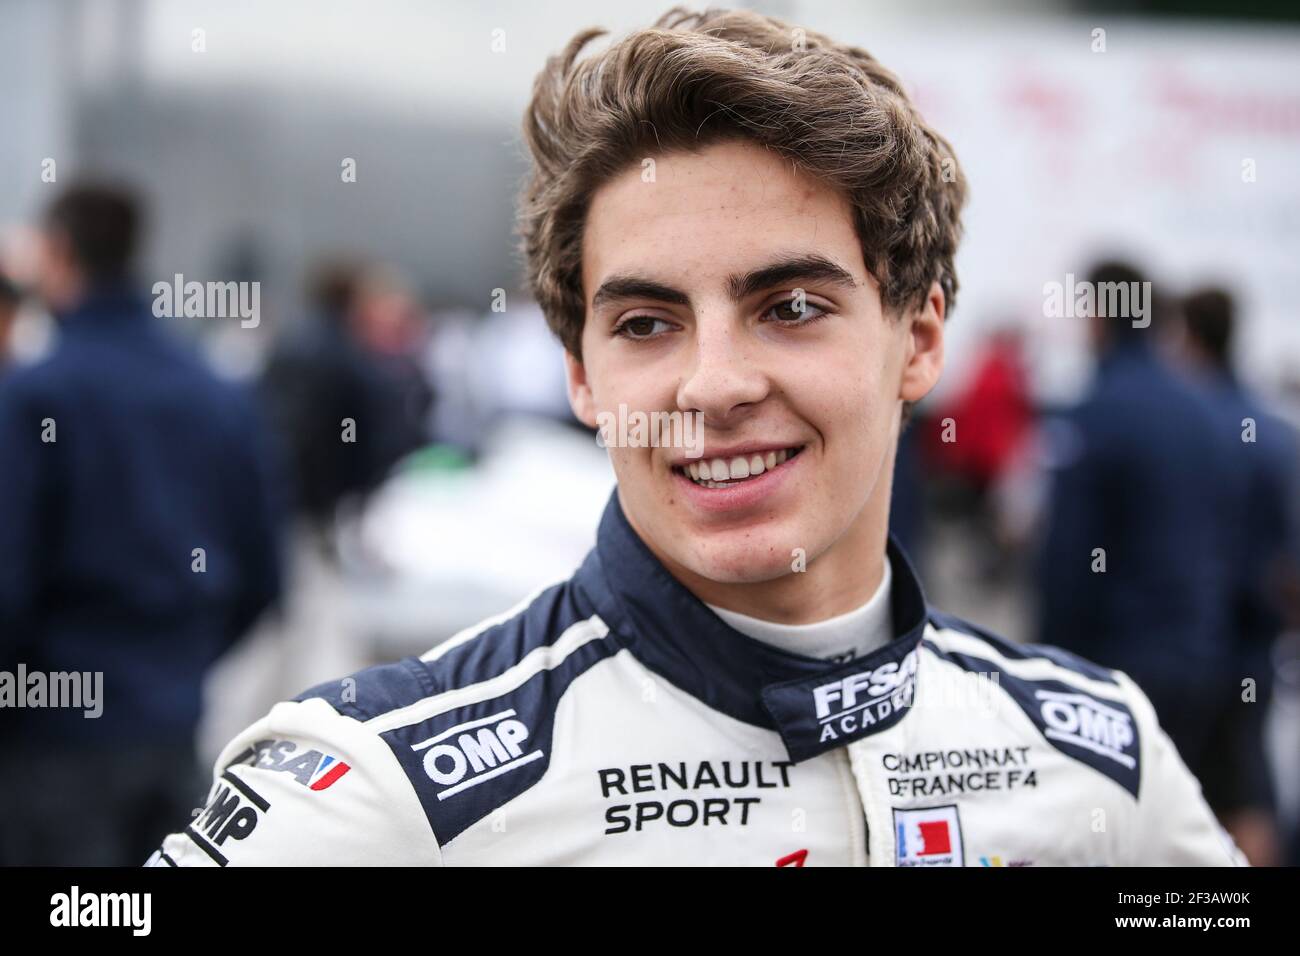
(853, 634)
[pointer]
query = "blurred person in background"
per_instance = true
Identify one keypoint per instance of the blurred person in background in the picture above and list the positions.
(346, 395)
(992, 419)
(10, 300)
(123, 456)
(389, 327)
(347, 399)
(1265, 545)
(1134, 569)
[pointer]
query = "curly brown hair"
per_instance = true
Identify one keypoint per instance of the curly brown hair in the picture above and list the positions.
(694, 79)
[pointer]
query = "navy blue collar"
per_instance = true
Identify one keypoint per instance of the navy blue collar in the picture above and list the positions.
(674, 634)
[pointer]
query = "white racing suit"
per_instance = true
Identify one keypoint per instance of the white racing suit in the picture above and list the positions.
(614, 719)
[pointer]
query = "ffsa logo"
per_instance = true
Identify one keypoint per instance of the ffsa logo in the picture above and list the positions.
(859, 700)
(476, 751)
(1086, 722)
(311, 768)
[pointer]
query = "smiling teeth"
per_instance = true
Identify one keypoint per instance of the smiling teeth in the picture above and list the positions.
(720, 472)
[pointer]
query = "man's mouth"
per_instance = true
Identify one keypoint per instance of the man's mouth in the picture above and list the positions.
(734, 470)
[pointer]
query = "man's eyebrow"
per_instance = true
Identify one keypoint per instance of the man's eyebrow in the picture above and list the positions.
(785, 270)
(636, 287)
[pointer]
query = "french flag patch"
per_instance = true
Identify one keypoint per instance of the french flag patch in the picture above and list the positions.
(929, 836)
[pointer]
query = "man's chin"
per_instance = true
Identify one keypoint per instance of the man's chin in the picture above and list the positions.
(738, 559)
(738, 552)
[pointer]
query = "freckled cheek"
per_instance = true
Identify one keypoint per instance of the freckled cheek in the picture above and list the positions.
(840, 404)
(630, 461)
(851, 429)
(638, 388)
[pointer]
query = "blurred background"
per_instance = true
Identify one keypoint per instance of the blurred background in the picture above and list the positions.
(359, 164)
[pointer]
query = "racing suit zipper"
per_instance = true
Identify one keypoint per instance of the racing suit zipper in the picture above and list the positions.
(859, 828)
(879, 854)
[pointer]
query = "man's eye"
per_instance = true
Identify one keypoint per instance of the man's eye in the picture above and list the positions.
(794, 312)
(641, 327)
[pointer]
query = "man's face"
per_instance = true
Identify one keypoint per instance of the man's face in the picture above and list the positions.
(58, 281)
(681, 319)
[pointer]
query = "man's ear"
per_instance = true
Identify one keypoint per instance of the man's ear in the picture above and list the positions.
(580, 400)
(923, 361)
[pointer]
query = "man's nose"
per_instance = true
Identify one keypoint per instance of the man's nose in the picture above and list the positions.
(725, 377)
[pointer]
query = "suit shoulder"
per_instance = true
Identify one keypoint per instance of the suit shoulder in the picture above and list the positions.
(471, 721)
(950, 629)
(532, 632)
(303, 786)
(1087, 712)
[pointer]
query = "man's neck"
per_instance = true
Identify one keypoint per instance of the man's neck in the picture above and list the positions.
(854, 634)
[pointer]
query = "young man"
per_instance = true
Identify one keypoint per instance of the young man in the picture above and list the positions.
(750, 224)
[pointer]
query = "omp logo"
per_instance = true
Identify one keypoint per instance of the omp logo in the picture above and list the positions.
(233, 812)
(476, 751)
(1079, 719)
(227, 816)
(859, 700)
